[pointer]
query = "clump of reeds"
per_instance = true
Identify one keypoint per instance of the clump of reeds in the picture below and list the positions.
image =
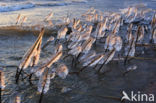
(81, 41)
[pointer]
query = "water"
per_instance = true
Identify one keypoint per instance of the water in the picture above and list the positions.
(89, 86)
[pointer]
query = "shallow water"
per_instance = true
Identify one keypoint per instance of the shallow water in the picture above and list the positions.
(89, 86)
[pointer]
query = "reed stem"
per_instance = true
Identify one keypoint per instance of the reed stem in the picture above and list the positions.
(129, 51)
(18, 75)
(42, 93)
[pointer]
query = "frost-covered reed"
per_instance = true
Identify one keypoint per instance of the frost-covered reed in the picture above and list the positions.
(81, 37)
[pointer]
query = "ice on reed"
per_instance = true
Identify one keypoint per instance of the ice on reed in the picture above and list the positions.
(114, 17)
(66, 20)
(129, 37)
(2, 80)
(74, 45)
(102, 60)
(153, 29)
(142, 14)
(27, 58)
(58, 48)
(43, 83)
(129, 33)
(47, 84)
(89, 18)
(79, 28)
(130, 14)
(101, 18)
(87, 56)
(51, 38)
(125, 10)
(130, 48)
(86, 46)
(130, 68)
(75, 23)
(75, 51)
(62, 71)
(93, 61)
(110, 41)
(105, 24)
(113, 41)
(40, 85)
(139, 33)
(118, 44)
(153, 22)
(62, 33)
(55, 58)
(86, 34)
(75, 37)
(132, 52)
(130, 11)
(110, 56)
(154, 35)
(116, 26)
(36, 57)
(91, 11)
(95, 17)
(39, 71)
(99, 30)
(129, 29)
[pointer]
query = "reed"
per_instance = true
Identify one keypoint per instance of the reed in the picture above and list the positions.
(27, 58)
(132, 46)
(18, 18)
(2, 83)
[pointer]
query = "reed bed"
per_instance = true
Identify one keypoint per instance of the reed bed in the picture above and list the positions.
(77, 39)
